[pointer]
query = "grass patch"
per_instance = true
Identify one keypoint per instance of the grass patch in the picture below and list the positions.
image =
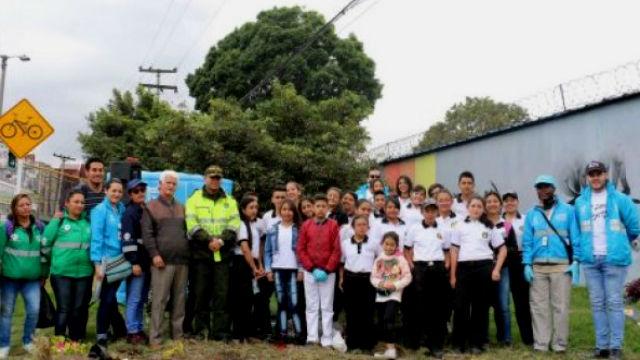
(581, 343)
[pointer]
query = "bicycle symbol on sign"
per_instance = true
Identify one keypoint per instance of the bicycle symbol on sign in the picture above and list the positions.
(10, 130)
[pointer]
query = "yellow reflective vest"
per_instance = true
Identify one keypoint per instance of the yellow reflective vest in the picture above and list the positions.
(210, 216)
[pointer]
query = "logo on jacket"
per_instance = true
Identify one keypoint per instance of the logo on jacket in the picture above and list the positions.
(485, 235)
(67, 228)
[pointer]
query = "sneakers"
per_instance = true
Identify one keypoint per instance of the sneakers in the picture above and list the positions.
(389, 353)
(30, 348)
(601, 353)
(4, 352)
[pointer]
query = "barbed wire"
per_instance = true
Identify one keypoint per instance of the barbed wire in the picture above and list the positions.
(569, 96)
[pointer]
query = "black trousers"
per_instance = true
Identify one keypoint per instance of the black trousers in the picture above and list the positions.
(474, 289)
(262, 308)
(432, 290)
(72, 305)
(359, 306)
(212, 295)
(189, 310)
(241, 292)
(411, 332)
(520, 292)
(387, 320)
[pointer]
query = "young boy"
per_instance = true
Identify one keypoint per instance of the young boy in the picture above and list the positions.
(379, 199)
(318, 251)
(412, 213)
(426, 251)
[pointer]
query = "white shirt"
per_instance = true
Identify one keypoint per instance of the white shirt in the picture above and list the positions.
(362, 261)
(428, 243)
(460, 208)
(517, 223)
(243, 234)
(268, 220)
(448, 224)
(404, 202)
(598, 221)
(346, 232)
(284, 258)
(475, 241)
(383, 226)
(411, 215)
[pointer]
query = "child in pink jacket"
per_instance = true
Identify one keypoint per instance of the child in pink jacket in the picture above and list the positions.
(390, 275)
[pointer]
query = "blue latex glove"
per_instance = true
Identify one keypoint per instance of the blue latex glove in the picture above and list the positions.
(574, 269)
(320, 275)
(528, 273)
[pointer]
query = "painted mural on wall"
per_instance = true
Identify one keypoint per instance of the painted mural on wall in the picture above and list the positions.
(576, 179)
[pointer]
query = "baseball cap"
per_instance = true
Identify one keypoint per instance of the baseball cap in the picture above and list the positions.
(595, 166)
(545, 179)
(213, 170)
(132, 184)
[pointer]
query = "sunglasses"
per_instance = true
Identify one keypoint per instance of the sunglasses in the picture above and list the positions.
(374, 176)
(595, 173)
(215, 177)
(138, 190)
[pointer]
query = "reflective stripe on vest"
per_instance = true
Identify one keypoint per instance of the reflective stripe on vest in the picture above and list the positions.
(22, 253)
(71, 245)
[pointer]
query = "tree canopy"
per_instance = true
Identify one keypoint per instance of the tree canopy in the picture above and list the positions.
(474, 117)
(325, 70)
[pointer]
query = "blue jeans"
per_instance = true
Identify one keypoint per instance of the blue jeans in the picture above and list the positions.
(30, 290)
(137, 294)
(72, 305)
(501, 308)
(287, 296)
(606, 283)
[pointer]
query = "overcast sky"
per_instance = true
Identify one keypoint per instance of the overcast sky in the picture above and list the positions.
(428, 54)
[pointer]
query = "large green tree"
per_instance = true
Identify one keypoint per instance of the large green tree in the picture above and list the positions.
(286, 137)
(474, 117)
(329, 67)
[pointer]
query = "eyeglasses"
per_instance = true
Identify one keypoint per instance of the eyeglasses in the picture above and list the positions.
(138, 190)
(374, 176)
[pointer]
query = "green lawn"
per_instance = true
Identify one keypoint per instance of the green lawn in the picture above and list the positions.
(581, 343)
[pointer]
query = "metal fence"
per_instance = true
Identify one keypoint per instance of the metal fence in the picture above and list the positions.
(44, 184)
(569, 96)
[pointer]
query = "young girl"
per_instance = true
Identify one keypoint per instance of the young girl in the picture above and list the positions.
(379, 199)
(473, 274)
(390, 275)
(363, 208)
(403, 190)
(305, 209)
(390, 222)
(427, 252)
(246, 268)
(500, 300)
(282, 266)
(106, 245)
(519, 286)
(294, 191)
(22, 271)
(358, 254)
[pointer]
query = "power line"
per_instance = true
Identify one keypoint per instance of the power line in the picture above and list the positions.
(262, 86)
(152, 43)
(202, 33)
(366, 10)
(172, 30)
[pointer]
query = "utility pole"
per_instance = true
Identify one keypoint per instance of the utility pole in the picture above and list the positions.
(158, 86)
(64, 159)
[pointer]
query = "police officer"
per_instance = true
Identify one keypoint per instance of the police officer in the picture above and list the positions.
(212, 223)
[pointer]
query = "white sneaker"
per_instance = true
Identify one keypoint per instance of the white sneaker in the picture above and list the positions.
(30, 348)
(387, 354)
(338, 342)
(4, 352)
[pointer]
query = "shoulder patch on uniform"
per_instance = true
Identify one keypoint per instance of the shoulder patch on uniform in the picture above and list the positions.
(485, 234)
(67, 227)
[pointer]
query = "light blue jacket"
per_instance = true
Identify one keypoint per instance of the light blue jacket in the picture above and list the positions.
(363, 191)
(621, 224)
(271, 245)
(105, 231)
(537, 232)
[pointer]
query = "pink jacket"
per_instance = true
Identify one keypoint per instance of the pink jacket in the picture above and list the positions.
(394, 269)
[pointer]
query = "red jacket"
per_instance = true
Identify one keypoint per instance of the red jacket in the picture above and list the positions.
(319, 245)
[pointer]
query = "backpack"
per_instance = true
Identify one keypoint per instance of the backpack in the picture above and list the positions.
(10, 228)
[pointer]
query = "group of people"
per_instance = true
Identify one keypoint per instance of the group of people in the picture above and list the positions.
(401, 263)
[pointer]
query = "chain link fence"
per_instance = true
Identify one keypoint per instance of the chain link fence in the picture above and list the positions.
(572, 95)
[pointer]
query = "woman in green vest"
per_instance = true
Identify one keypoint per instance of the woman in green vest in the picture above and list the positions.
(69, 236)
(23, 266)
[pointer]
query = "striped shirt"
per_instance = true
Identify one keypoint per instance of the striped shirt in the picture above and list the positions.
(91, 198)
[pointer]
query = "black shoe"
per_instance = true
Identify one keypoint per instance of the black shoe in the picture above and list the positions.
(98, 351)
(615, 354)
(601, 353)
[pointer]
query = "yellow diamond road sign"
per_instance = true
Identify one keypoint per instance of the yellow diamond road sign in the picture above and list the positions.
(23, 128)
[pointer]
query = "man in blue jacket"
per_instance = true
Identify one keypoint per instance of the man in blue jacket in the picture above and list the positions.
(549, 242)
(609, 225)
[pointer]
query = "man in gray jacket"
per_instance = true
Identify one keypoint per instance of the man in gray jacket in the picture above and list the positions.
(164, 236)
